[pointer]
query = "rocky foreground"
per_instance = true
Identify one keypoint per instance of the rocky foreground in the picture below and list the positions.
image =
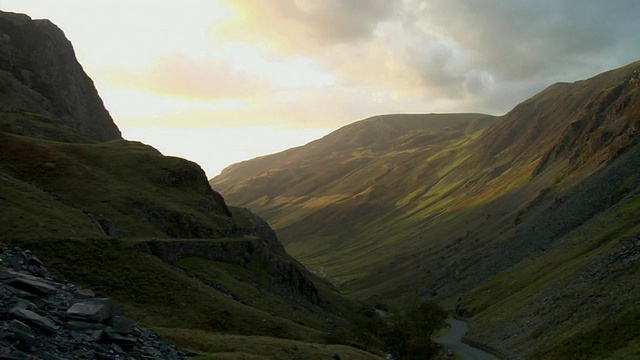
(42, 317)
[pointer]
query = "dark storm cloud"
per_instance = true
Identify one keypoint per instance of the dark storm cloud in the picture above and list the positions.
(478, 48)
(308, 24)
(341, 20)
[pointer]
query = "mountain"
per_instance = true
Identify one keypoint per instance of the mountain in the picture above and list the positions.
(525, 222)
(39, 73)
(119, 218)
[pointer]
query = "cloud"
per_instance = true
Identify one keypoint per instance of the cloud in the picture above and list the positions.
(242, 73)
(179, 76)
(497, 53)
(519, 39)
(307, 26)
(458, 53)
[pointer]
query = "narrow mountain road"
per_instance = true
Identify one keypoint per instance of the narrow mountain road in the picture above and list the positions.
(453, 342)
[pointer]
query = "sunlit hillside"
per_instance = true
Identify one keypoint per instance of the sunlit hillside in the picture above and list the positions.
(471, 209)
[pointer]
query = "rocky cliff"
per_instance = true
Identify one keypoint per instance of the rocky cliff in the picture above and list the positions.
(39, 73)
(259, 246)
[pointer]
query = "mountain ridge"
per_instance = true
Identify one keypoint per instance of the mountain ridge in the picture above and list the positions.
(38, 60)
(449, 217)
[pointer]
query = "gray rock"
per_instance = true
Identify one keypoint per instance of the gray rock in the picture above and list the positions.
(90, 328)
(122, 324)
(26, 341)
(32, 260)
(23, 333)
(7, 275)
(14, 355)
(32, 286)
(84, 326)
(84, 294)
(95, 310)
(95, 335)
(44, 355)
(20, 326)
(34, 319)
(123, 339)
(25, 304)
(16, 262)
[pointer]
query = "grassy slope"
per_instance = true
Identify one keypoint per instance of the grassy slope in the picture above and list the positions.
(439, 215)
(127, 185)
(578, 300)
(359, 188)
(369, 198)
(54, 194)
(177, 301)
(377, 198)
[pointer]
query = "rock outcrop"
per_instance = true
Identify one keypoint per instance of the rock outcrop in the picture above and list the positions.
(283, 271)
(44, 318)
(39, 73)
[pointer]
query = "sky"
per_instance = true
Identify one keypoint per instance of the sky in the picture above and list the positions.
(221, 81)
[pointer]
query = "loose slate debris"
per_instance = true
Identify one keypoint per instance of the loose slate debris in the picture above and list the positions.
(44, 318)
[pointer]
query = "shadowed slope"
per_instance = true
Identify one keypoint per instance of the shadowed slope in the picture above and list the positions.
(119, 217)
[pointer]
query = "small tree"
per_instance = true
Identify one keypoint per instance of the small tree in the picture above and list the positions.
(367, 329)
(408, 336)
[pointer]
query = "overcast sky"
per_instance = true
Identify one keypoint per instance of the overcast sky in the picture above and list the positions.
(220, 81)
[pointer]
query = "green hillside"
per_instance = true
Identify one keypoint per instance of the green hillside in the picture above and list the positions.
(88, 210)
(118, 217)
(497, 211)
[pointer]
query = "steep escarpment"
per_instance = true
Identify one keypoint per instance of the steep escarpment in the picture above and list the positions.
(40, 73)
(259, 247)
(573, 145)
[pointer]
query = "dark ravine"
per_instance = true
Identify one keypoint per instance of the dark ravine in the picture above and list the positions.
(42, 317)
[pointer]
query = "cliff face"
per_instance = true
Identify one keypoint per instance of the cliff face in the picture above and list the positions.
(39, 73)
(283, 271)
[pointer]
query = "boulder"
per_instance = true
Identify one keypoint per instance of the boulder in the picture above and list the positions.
(122, 324)
(34, 319)
(84, 294)
(32, 286)
(97, 310)
(44, 318)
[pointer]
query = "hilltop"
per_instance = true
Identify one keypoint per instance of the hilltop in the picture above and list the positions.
(526, 218)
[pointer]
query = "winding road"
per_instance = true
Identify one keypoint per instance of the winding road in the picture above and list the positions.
(453, 342)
